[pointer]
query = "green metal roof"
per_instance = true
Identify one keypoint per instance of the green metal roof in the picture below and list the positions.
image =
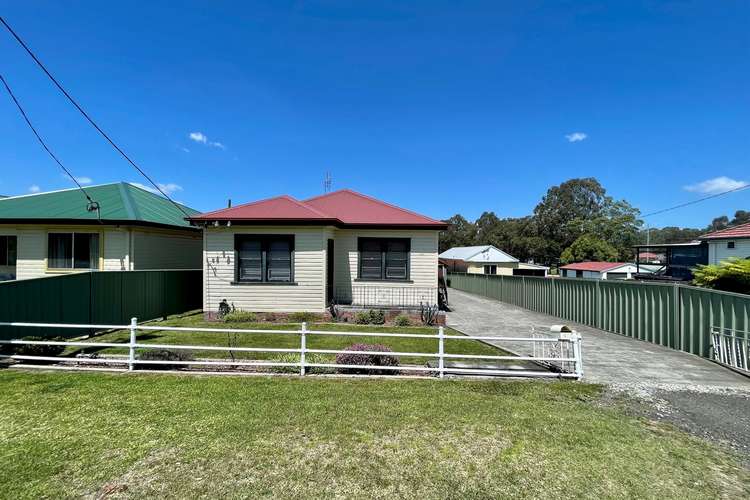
(119, 202)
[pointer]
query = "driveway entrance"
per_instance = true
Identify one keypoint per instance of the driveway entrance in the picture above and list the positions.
(608, 358)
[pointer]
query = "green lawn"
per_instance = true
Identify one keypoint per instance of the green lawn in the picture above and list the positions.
(71, 435)
(291, 341)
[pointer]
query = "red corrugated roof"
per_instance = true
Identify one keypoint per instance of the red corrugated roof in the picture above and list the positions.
(593, 266)
(741, 231)
(344, 207)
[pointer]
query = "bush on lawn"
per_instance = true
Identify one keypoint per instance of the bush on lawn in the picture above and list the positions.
(163, 355)
(240, 317)
(36, 349)
(402, 320)
(350, 358)
(294, 358)
(302, 317)
(371, 317)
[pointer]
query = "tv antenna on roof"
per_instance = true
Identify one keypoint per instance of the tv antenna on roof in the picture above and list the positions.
(327, 181)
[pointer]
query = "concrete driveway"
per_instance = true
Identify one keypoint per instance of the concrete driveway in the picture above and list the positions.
(608, 358)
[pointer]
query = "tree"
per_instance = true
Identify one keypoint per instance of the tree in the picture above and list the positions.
(740, 217)
(617, 224)
(589, 247)
(460, 233)
(719, 223)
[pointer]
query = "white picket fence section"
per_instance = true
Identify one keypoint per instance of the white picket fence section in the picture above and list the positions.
(571, 361)
(730, 347)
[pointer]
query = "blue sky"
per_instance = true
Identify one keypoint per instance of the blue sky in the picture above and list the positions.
(441, 107)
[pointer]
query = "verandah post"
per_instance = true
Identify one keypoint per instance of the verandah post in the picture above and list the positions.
(303, 343)
(131, 353)
(441, 352)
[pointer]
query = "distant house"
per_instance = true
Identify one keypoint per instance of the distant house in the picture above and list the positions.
(53, 233)
(487, 259)
(728, 243)
(601, 270)
(286, 255)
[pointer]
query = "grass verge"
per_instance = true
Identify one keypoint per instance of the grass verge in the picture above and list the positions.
(91, 434)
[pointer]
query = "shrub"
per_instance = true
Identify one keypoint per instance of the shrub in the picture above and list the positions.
(362, 318)
(350, 358)
(37, 350)
(240, 317)
(163, 355)
(428, 313)
(732, 275)
(302, 317)
(402, 320)
(377, 317)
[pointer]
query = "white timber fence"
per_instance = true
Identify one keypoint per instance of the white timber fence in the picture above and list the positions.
(563, 361)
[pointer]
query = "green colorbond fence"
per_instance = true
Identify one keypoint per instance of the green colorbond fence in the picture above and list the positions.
(672, 315)
(110, 297)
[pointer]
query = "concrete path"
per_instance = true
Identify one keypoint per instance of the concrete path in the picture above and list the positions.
(607, 357)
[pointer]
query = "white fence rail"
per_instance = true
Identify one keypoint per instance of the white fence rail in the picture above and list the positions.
(730, 347)
(568, 357)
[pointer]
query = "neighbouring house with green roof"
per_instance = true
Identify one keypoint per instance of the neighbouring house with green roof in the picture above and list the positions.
(54, 232)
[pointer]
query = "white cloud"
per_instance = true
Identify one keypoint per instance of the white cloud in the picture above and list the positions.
(202, 138)
(716, 185)
(576, 137)
(169, 188)
(84, 180)
(34, 188)
(185, 150)
(198, 137)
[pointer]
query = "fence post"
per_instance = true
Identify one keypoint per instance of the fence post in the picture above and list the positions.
(441, 352)
(303, 346)
(578, 354)
(131, 353)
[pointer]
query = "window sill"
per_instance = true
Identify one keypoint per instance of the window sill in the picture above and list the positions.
(362, 280)
(264, 283)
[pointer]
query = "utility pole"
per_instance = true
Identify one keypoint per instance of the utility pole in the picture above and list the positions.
(327, 181)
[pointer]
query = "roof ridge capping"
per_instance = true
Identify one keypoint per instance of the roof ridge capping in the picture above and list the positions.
(373, 199)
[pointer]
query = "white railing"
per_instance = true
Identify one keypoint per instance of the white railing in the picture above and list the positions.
(571, 365)
(730, 347)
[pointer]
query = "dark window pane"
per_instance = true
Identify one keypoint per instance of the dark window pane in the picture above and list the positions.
(4, 251)
(279, 261)
(12, 250)
(60, 251)
(85, 251)
(250, 260)
(396, 260)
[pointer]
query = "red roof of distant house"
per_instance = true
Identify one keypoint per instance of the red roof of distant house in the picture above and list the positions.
(598, 267)
(341, 208)
(741, 231)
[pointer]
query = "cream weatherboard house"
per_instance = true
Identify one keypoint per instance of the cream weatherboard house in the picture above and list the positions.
(53, 233)
(285, 255)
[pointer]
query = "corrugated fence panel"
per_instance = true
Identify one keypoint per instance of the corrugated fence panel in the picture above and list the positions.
(703, 309)
(671, 315)
(98, 298)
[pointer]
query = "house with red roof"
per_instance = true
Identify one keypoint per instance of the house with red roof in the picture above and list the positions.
(287, 255)
(602, 270)
(732, 242)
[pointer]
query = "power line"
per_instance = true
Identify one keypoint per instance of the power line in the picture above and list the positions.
(92, 205)
(86, 115)
(693, 202)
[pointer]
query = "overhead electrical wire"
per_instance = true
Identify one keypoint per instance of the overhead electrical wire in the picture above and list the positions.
(693, 202)
(86, 115)
(92, 205)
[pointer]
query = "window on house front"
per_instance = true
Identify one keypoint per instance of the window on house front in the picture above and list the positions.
(8, 250)
(73, 251)
(730, 244)
(384, 259)
(264, 258)
(490, 269)
(579, 274)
